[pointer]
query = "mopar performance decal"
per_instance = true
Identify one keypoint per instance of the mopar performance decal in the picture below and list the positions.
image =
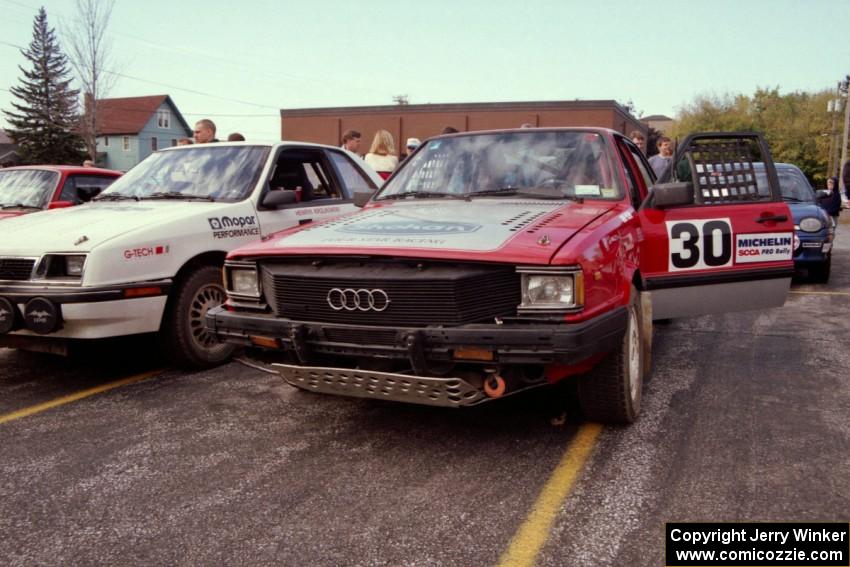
(410, 228)
(234, 227)
(764, 247)
(699, 244)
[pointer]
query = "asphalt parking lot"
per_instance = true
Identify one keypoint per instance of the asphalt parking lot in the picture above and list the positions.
(113, 458)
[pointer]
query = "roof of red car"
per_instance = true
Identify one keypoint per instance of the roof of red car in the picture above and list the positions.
(68, 169)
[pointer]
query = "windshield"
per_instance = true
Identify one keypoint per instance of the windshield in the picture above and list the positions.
(209, 172)
(792, 184)
(531, 163)
(27, 188)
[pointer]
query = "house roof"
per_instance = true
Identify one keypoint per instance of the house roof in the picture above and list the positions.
(657, 118)
(129, 115)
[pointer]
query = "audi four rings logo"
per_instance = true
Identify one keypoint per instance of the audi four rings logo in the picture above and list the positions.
(358, 299)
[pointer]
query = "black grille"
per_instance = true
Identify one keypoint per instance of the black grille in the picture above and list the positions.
(383, 337)
(419, 294)
(16, 268)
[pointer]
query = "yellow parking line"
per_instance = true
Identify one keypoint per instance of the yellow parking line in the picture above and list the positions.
(77, 396)
(529, 540)
(821, 292)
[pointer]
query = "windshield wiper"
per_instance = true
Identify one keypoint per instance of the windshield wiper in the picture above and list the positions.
(19, 206)
(177, 195)
(421, 195)
(115, 197)
(795, 199)
(537, 192)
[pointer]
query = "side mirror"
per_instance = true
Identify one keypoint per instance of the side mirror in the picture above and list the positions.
(60, 205)
(822, 194)
(666, 195)
(279, 198)
(362, 197)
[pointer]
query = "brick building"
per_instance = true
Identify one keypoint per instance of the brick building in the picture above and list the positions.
(326, 125)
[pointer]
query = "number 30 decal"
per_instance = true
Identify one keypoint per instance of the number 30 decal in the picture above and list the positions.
(699, 244)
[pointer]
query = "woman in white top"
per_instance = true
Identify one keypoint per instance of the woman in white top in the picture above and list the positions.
(381, 156)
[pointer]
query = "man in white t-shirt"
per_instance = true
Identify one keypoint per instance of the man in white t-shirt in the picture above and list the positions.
(351, 141)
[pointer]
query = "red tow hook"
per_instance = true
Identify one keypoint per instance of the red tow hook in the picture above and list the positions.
(495, 386)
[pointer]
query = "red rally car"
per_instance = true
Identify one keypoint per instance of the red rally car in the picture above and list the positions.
(31, 188)
(494, 262)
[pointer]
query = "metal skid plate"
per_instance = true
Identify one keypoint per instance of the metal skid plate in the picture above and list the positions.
(444, 392)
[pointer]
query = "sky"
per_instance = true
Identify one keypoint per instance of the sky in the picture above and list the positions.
(239, 63)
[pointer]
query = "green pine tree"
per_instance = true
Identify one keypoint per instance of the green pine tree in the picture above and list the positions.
(45, 118)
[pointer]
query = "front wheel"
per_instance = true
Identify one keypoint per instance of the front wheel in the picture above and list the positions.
(820, 272)
(184, 337)
(611, 392)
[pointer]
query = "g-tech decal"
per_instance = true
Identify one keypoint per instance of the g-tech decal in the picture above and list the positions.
(234, 227)
(699, 244)
(145, 252)
(763, 247)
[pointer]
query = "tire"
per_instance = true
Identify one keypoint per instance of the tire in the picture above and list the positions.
(183, 336)
(611, 392)
(820, 273)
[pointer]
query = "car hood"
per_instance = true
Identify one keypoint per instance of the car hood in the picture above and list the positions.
(12, 214)
(84, 227)
(802, 210)
(498, 230)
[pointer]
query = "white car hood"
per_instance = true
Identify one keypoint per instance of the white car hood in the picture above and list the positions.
(82, 228)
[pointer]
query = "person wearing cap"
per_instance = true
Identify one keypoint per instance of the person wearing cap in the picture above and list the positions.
(412, 144)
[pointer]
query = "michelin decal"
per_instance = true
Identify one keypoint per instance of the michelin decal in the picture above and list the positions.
(764, 247)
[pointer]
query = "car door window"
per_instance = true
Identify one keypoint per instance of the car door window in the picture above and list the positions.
(82, 188)
(352, 176)
(307, 172)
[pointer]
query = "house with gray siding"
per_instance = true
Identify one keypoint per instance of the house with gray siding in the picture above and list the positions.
(132, 128)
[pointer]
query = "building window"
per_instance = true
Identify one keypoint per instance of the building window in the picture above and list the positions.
(106, 141)
(153, 144)
(163, 119)
(126, 143)
(173, 142)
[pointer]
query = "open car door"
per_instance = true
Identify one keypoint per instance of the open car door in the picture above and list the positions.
(714, 241)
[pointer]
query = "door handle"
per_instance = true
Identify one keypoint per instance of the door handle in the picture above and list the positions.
(773, 218)
(304, 221)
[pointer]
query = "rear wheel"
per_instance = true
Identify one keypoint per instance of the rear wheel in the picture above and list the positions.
(820, 272)
(611, 392)
(184, 337)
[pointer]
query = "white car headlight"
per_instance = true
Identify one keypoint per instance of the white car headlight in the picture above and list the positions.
(811, 224)
(74, 265)
(551, 290)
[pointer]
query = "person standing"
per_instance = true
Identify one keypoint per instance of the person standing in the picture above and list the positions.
(381, 156)
(639, 140)
(351, 141)
(205, 131)
(662, 160)
(845, 177)
(832, 203)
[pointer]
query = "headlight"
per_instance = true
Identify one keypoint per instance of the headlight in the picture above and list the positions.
(811, 224)
(547, 290)
(68, 266)
(74, 265)
(241, 279)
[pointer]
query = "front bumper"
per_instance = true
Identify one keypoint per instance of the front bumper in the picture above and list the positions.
(312, 343)
(83, 312)
(511, 343)
(814, 249)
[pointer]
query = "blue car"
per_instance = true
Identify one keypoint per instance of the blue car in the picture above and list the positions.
(813, 231)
